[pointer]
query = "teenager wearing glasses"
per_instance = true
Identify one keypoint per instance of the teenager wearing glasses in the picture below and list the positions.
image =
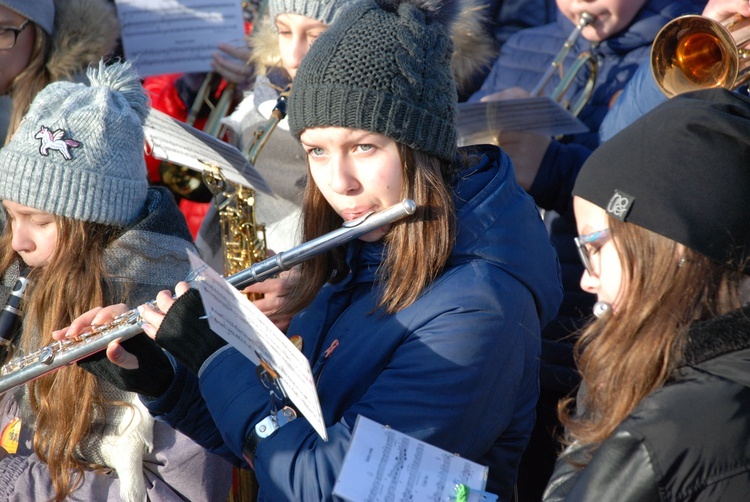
(43, 41)
(664, 408)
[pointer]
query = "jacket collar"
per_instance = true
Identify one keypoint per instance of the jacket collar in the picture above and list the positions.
(718, 336)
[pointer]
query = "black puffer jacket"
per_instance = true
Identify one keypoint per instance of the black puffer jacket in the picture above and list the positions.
(688, 441)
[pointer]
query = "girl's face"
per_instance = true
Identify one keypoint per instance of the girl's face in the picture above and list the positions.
(606, 281)
(296, 35)
(34, 233)
(13, 61)
(611, 16)
(356, 171)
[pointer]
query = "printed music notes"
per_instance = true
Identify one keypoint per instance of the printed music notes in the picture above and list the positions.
(383, 465)
(177, 36)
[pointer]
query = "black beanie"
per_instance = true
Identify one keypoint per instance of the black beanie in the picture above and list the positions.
(682, 171)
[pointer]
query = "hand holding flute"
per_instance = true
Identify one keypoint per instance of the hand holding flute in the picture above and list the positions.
(100, 316)
(140, 364)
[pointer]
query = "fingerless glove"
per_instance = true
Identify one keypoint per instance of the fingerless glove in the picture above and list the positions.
(152, 377)
(185, 335)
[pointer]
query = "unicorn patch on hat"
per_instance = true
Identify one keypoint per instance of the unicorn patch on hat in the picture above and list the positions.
(54, 141)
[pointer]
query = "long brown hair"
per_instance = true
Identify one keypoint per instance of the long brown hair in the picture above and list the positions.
(31, 80)
(628, 356)
(60, 292)
(417, 247)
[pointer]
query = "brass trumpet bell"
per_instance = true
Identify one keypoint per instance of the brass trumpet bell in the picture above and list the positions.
(694, 52)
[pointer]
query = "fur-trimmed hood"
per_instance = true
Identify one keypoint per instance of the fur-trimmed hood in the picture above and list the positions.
(85, 31)
(474, 48)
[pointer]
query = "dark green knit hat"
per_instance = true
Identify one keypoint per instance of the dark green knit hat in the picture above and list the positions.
(383, 67)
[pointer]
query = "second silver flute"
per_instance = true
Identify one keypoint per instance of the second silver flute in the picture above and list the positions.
(61, 353)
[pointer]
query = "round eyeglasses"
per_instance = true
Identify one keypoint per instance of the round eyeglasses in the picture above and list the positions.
(9, 35)
(584, 243)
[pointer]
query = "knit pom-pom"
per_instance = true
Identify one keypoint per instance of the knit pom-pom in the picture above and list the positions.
(122, 78)
(444, 12)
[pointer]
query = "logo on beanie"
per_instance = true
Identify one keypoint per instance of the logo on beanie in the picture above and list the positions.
(54, 141)
(620, 204)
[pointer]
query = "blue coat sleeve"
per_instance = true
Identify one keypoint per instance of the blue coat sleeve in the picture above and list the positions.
(459, 380)
(182, 406)
(553, 186)
(234, 396)
(640, 95)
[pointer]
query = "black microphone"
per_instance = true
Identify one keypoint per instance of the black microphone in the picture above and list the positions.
(10, 318)
(602, 310)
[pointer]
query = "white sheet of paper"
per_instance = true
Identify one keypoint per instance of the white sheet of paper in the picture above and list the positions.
(385, 465)
(541, 115)
(174, 141)
(177, 36)
(234, 318)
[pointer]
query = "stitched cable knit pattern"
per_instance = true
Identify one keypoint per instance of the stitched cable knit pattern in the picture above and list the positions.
(389, 75)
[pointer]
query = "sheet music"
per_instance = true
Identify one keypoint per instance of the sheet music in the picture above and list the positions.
(174, 141)
(177, 36)
(541, 115)
(385, 465)
(234, 318)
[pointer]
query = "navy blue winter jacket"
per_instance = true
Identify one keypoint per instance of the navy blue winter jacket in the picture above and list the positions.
(527, 55)
(458, 368)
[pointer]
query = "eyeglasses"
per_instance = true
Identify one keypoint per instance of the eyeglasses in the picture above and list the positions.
(584, 242)
(9, 36)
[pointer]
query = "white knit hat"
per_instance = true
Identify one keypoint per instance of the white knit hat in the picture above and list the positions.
(79, 150)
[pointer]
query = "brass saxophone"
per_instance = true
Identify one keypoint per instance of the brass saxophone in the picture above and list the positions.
(243, 238)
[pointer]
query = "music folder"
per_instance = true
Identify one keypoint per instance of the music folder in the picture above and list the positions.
(174, 141)
(541, 115)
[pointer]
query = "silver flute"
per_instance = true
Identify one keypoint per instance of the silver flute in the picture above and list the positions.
(29, 367)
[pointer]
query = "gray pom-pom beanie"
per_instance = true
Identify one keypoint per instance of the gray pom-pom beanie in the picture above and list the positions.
(321, 10)
(385, 68)
(78, 152)
(39, 12)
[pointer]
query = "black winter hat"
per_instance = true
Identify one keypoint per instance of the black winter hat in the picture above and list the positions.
(682, 171)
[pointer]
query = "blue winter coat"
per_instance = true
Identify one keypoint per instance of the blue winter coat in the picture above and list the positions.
(524, 58)
(527, 55)
(458, 368)
(502, 18)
